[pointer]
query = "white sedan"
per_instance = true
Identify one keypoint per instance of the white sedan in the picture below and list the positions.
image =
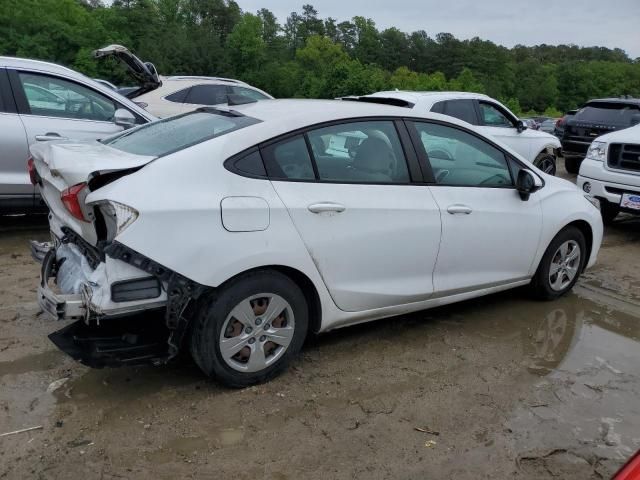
(247, 228)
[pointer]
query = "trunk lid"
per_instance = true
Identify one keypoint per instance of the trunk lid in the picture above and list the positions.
(144, 73)
(60, 165)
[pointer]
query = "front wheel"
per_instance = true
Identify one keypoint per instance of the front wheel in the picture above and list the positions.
(248, 331)
(561, 265)
(546, 162)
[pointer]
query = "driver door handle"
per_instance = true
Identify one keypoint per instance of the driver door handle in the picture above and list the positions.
(326, 207)
(458, 209)
(50, 136)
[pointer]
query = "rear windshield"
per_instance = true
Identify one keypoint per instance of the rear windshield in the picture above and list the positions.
(177, 133)
(616, 113)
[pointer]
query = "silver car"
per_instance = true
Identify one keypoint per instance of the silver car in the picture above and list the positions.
(42, 102)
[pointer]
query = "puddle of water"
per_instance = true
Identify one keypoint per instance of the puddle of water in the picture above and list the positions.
(32, 363)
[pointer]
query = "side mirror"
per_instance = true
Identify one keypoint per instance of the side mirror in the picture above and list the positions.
(124, 118)
(527, 183)
(521, 126)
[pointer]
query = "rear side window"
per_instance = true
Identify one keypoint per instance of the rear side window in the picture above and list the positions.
(177, 133)
(289, 160)
(179, 96)
(207, 95)
(462, 110)
(359, 152)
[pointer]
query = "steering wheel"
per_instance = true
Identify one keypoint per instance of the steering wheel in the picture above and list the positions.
(498, 179)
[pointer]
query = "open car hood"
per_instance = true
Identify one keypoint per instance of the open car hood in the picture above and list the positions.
(145, 73)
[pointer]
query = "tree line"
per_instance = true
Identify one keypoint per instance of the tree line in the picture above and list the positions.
(309, 56)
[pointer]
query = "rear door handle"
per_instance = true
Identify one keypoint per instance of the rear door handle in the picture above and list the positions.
(459, 209)
(50, 136)
(326, 207)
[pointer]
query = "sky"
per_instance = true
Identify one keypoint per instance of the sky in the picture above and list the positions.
(608, 23)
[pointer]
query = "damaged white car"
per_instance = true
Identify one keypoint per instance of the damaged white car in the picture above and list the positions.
(238, 231)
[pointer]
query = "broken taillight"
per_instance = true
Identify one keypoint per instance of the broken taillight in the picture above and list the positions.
(631, 470)
(31, 168)
(70, 199)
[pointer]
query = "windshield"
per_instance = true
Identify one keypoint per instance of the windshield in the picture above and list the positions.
(601, 112)
(177, 133)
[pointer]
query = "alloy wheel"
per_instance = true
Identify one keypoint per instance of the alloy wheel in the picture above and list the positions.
(565, 265)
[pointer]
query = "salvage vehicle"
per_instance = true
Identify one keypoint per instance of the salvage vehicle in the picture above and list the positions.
(611, 172)
(489, 115)
(595, 118)
(41, 102)
(166, 96)
(248, 227)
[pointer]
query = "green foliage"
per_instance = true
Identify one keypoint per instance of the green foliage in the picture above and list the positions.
(309, 56)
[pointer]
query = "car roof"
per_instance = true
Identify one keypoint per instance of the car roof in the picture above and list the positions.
(433, 96)
(283, 116)
(623, 101)
(205, 79)
(14, 62)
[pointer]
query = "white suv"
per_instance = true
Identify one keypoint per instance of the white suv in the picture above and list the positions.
(490, 116)
(611, 172)
(167, 96)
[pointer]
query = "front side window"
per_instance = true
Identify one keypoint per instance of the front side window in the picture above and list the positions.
(458, 158)
(177, 133)
(248, 92)
(55, 97)
(494, 117)
(359, 152)
(207, 95)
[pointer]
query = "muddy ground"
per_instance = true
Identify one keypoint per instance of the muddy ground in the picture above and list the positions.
(500, 387)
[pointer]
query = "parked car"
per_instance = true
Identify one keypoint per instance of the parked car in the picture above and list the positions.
(559, 130)
(595, 118)
(166, 96)
(531, 123)
(274, 219)
(549, 125)
(611, 172)
(40, 102)
(489, 115)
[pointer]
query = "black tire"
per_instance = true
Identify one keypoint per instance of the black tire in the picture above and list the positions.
(609, 211)
(572, 164)
(546, 162)
(212, 314)
(540, 286)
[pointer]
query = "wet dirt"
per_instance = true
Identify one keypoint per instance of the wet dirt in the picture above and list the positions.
(499, 387)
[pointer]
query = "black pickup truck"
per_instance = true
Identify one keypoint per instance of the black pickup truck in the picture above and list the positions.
(595, 118)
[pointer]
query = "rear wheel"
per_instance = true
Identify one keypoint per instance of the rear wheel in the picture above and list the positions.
(572, 164)
(561, 265)
(546, 162)
(249, 331)
(609, 211)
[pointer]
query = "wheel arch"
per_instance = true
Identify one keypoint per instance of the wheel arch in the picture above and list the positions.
(303, 281)
(587, 231)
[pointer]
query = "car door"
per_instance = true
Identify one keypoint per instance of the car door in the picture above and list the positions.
(503, 126)
(15, 185)
(489, 234)
(52, 107)
(372, 232)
